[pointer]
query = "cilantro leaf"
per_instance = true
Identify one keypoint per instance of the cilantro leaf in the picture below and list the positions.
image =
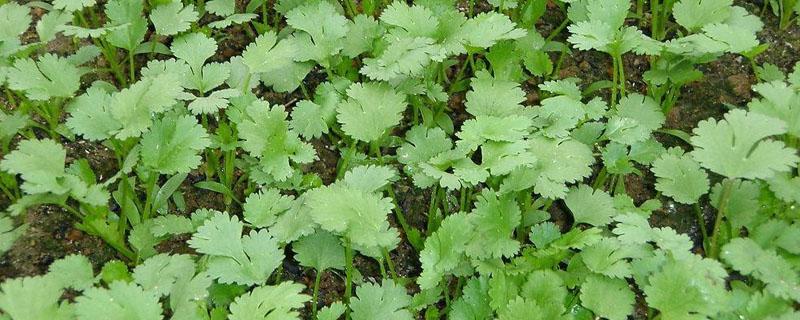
(494, 220)
(121, 301)
(387, 300)
(172, 145)
(73, 271)
(737, 147)
(173, 18)
(269, 302)
(747, 257)
(695, 14)
(265, 134)
(49, 77)
(634, 119)
(261, 209)
(134, 106)
(779, 101)
(90, 115)
(595, 207)
(72, 5)
(607, 297)
(40, 163)
(355, 214)
(444, 249)
(370, 110)
(486, 29)
(324, 30)
(234, 258)
(33, 298)
(687, 288)
(274, 61)
(680, 177)
(321, 251)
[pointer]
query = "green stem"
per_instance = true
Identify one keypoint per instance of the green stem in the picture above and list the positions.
(390, 263)
(621, 70)
(315, 295)
(727, 186)
(348, 269)
(432, 207)
(557, 30)
(148, 203)
(614, 81)
(701, 221)
(132, 67)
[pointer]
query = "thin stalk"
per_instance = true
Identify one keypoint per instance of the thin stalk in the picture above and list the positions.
(148, 203)
(315, 294)
(601, 178)
(614, 81)
(432, 208)
(390, 264)
(132, 67)
(701, 221)
(621, 70)
(557, 30)
(727, 186)
(348, 269)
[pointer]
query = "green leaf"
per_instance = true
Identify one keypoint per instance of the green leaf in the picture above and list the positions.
(354, 214)
(331, 312)
(324, 30)
(362, 32)
(40, 163)
(280, 301)
(738, 146)
(608, 298)
(161, 273)
(121, 301)
(491, 96)
(371, 110)
(695, 14)
(608, 257)
(320, 251)
(473, 302)
(195, 49)
(594, 207)
(173, 145)
(494, 220)
(173, 18)
(14, 21)
(51, 23)
(221, 7)
(680, 177)
(779, 101)
(265, 135)
(687, 289)
(274, 61)
(234, 258)
(386, 301)
(634, 119)
(261, 209)
(134, 106)
(72, 5)
(747, 257)
(444, 249)
(486, 29)
(73, 271)
(558, 163)
(33, 298)
(128, 26)
(49, 77)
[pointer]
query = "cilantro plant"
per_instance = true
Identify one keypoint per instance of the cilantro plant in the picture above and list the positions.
(427, 159)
